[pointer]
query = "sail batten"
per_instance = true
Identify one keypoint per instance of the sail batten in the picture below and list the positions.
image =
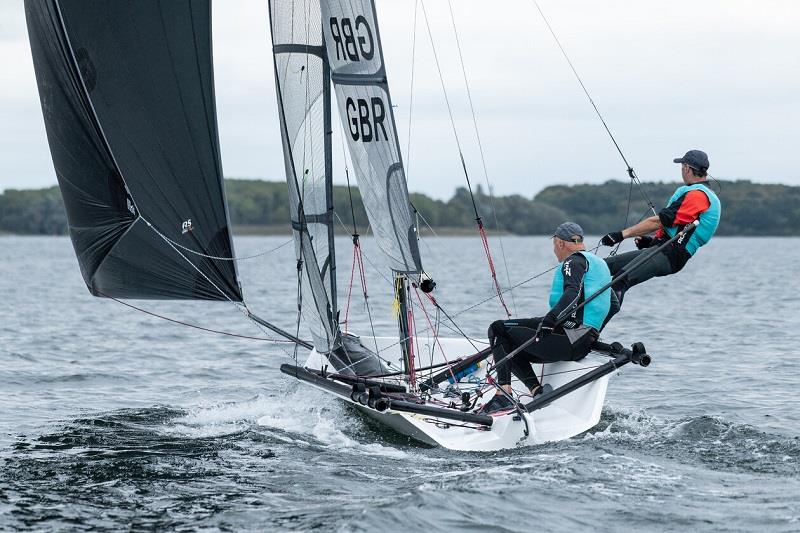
(128, 101)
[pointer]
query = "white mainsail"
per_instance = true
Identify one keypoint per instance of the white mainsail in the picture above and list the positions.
(353, 46)
(303, 89)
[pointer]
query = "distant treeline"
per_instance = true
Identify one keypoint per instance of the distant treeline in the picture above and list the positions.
(747, 208)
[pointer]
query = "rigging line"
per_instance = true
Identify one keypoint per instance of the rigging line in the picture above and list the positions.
(478, 218)
(614, 250)
(441, 80)
(457, 330)
(436, 337)
(352, 207)
(362, 275)
(378, 270)
(241, 307)
(438, 306)
(480, 149)
(435, 333)
(195, 326)
(350, 290)
(425, 220)
(628, 208)
(411, 327)
(218, 258)
(523, 282)
(150, 225)
(411, 90)
(449, 110)
(391, 284)
(630, 170)
(357, 253)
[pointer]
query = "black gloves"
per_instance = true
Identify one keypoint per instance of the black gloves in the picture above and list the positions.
(644, 242)
(610, 239)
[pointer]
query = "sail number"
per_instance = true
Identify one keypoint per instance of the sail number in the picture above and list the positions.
(352, 41)
(366, 119)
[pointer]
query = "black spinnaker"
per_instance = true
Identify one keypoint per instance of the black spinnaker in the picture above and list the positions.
(127, 94)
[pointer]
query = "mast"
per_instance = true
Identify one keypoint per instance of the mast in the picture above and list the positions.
(404, 326)
(326, 102)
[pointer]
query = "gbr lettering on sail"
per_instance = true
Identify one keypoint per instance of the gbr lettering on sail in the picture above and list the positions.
(352, 50)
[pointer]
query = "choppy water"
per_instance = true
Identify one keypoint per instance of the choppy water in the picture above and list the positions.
(111, 419)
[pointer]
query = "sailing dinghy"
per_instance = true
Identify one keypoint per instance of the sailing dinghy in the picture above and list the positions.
(319, 43)
(127, 95)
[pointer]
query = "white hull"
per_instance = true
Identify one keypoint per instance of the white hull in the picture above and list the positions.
(565, 417)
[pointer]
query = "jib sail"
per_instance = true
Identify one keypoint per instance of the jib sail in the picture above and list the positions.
(127, 94)
(353, 46)
(303, 89)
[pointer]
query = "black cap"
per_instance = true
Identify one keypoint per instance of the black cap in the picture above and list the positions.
(569, 231)
(697, 159)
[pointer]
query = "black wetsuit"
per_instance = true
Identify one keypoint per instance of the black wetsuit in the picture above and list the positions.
(683, 209)
(507, 335)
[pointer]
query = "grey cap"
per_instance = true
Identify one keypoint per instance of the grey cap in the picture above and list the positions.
(569, 231)
(697, 159)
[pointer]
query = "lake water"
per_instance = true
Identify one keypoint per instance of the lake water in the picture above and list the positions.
(113, 419)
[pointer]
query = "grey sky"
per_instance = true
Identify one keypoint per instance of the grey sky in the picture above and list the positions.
(723, 76)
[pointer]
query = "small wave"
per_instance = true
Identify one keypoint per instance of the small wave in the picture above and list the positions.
(23, 356)
(78, 378)
(706, 439)
(307, 412)
(218, 420)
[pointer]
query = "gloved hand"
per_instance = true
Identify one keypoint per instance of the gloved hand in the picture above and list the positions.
(610, 239)
(643, 242)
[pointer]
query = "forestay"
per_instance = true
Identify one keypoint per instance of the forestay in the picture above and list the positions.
(303, 89)
(127, 94)
(352, 42)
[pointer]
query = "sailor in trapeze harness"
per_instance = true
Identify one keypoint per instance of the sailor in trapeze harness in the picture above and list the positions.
(690, 202)
(580, 275)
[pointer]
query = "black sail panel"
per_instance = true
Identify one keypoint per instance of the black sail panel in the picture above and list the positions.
(128, 99)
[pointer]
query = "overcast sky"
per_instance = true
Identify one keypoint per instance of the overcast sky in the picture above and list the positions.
(718, 75)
